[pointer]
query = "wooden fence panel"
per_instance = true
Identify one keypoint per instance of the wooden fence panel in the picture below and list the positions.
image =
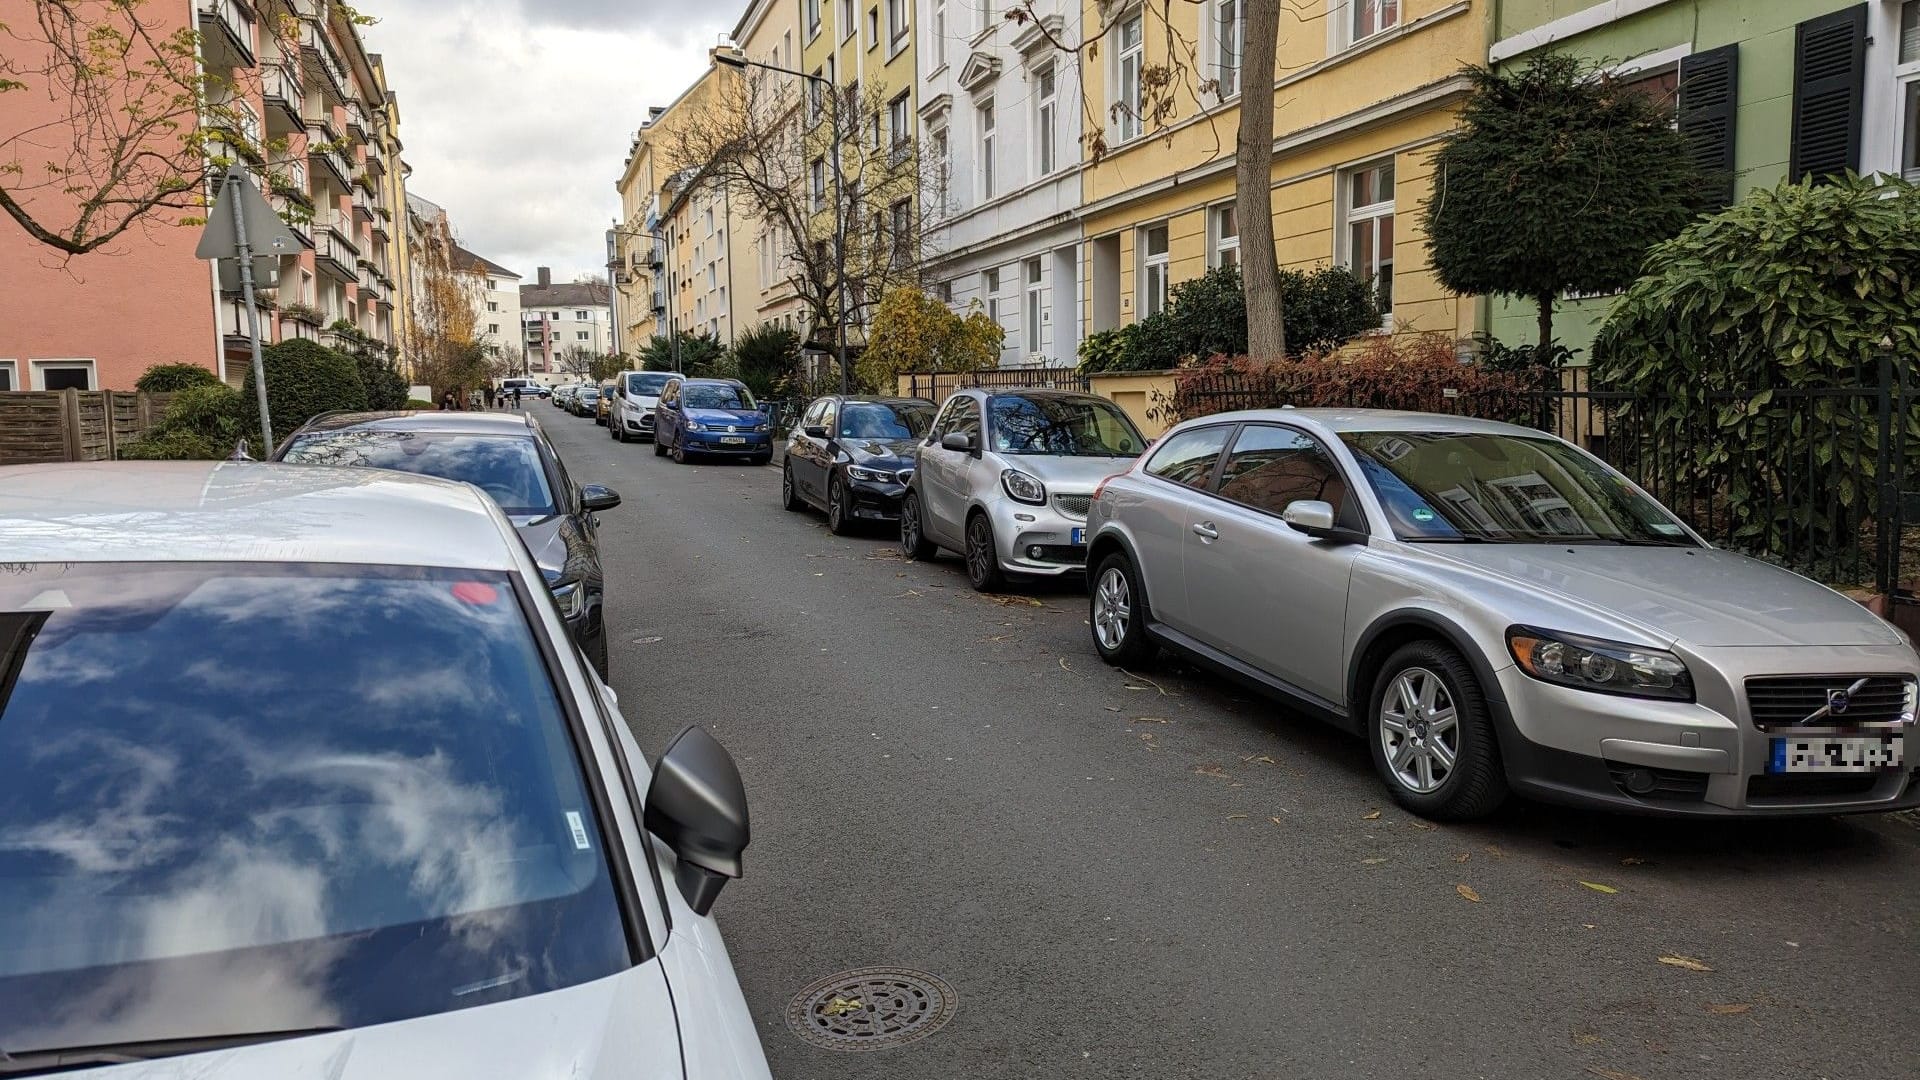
(73, 425)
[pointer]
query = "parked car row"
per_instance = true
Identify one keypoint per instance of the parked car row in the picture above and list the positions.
(683, 417)
(1492, 608)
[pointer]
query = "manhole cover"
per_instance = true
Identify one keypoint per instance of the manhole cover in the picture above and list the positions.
(871, 1009)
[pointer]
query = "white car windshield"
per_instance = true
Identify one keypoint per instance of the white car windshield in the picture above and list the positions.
(253, 798)
(1472, 486)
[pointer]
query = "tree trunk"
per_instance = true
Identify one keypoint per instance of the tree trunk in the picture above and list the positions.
(1545, 300)
(1253, 184)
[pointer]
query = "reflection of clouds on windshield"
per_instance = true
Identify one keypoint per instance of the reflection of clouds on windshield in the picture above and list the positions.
(123, 834)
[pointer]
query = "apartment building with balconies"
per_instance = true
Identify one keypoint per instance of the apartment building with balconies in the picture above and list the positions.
(304, 110)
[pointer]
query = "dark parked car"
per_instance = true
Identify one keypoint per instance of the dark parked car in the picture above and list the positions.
(710, 416)
(506, 455)
(585, 400)
(852, 457)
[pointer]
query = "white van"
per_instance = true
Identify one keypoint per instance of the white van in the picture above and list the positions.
(631, 415)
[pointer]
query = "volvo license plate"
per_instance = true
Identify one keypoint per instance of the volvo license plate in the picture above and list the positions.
(1835, 754)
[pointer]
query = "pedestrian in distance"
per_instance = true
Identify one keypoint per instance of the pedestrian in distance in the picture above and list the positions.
(446, 401)
(516, 399)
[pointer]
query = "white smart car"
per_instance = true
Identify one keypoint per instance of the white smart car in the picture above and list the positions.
(300, 776)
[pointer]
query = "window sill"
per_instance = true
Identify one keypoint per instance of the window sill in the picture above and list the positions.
(898, 46)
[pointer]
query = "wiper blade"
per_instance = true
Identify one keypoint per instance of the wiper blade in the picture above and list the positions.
(62, 1059)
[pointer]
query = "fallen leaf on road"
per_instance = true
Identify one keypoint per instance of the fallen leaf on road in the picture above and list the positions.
(1237, 817)
(1424, 825)
(1149, 720)
(1009, 601)
(909, 592)
(1371, 862)
(1210, 770)
(648, 640)
(1143, 679)
(815, 575)
(1276, 821)
(1599, 888)
(840, 1006)
(1632, 860)
(1586, 1038)
(1494, 850)
(1261, 758)
(1466, 893)
(1375, 816)
(1064, 666)
(1113, 708)
(1732, 1009)
(1687, 962)
(1463, 856)
(1610, 1074)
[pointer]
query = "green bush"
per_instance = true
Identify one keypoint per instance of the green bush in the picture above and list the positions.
(201, 422)
(305, 379)
(416, 403)
(171, 378)
(767, 356)
(1801, 287)
(1206, 317)
(160, 445)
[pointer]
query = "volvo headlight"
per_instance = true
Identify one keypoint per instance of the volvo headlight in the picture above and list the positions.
(1608, 667)
(571, 596)
(1023, 488)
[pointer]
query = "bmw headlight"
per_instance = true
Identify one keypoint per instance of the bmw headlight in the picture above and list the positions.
(871, 476)
(1608, 667)
(1023, 488)
(571, 596)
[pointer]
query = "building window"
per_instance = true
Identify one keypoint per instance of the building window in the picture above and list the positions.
(9, 375)
(819, 172)
(1033, 307)
(62, 374)
(1153, 270)
(937, 35)
(1126, 106)
(1045, 119)
(901, 232)
(848, 22)
(493, 328)
(816, 98)
(1227, 33)
(873, 27)
(492, 285)
(583, 335)
(900, 123)
(493, 305)
(942, 165)
(1223, 224)
(1907, 72)
(713, 276)
(1367, 199)
(813, 17)
(1372, 16)
(943, 291)
(986, 150)
(896, 21)
(990, 284)
(982, 15)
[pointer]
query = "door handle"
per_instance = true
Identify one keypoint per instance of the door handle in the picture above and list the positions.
(1205, 531)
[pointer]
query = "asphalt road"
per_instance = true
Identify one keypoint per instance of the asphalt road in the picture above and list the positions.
(1164, 877)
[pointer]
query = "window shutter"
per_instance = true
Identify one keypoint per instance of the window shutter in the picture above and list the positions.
(1829, 65)
(1709, 83)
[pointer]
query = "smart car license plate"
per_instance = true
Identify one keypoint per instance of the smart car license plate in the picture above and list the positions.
(733, 440)
(1079, 536)
(1834, 755)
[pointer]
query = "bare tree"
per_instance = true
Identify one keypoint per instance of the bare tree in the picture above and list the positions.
(767, 142)
(131, 131)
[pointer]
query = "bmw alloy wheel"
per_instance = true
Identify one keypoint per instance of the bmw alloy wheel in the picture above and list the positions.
(1112, 609)
(1419, 730)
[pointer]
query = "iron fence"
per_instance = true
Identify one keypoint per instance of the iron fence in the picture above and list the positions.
(1823, 480)
(935, 386)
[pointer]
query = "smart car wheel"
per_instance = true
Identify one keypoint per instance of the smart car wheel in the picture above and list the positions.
(1432, 735)
(1116, 610)
(983, 558)
(913, 537)
(837, 520)
(789, 495)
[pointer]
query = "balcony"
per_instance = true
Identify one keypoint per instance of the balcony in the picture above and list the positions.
(356, 122)
(286, 96)
(362, 206)
(323, 64)
(236, 125)
(334, 247)
(376, 162)
(296, 214)
(288, 179)
(327, 163)
(226, 30)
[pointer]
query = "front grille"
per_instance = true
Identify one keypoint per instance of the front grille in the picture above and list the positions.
(1788, 701)
(1074, 506)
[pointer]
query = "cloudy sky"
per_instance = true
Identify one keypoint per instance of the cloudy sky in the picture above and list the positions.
(516, 113)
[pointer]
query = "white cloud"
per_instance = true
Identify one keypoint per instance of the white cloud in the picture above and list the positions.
(516, 114)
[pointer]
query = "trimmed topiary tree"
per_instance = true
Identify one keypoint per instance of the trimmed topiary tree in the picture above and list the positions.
(171, 378)
(1802, 287)
(1557, 179)
(305, 379)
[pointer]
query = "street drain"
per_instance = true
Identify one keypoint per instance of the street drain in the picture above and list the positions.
(871, 1009)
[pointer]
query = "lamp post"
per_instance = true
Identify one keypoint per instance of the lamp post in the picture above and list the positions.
(839, 193)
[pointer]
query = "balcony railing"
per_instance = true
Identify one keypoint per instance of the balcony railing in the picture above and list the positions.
(362, 206)
(228, 29)
(334, 246)
(322, 60)
(238, 127)
(281, 85)
(294, 214)
(356, 121)
(290, 180)
(319, 156)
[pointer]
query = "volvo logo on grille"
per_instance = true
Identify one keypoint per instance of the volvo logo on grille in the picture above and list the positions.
(1837, 701)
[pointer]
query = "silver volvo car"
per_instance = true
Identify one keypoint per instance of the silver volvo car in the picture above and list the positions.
(1495, 609)
(1006, 478)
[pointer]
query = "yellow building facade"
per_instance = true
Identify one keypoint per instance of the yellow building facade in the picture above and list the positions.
(768, 32)
(1365, 90)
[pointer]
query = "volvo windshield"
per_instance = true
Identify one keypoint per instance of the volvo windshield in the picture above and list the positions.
(246, 798)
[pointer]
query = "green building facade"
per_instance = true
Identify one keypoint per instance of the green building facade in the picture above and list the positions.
(1763, 89)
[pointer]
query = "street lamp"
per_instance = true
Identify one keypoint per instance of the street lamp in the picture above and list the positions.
(735, 60)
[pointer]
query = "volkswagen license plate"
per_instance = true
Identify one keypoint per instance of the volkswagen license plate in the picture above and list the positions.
(732, 440)
(1835, 754)
(1079, 537)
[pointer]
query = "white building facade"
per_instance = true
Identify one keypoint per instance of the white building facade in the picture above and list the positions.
(1000, 118)
(558, 317)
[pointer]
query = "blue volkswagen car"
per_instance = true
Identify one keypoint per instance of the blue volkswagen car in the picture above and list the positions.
(717, 417)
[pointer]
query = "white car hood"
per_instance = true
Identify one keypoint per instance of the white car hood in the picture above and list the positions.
(1699, 596)
(617, 1028)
